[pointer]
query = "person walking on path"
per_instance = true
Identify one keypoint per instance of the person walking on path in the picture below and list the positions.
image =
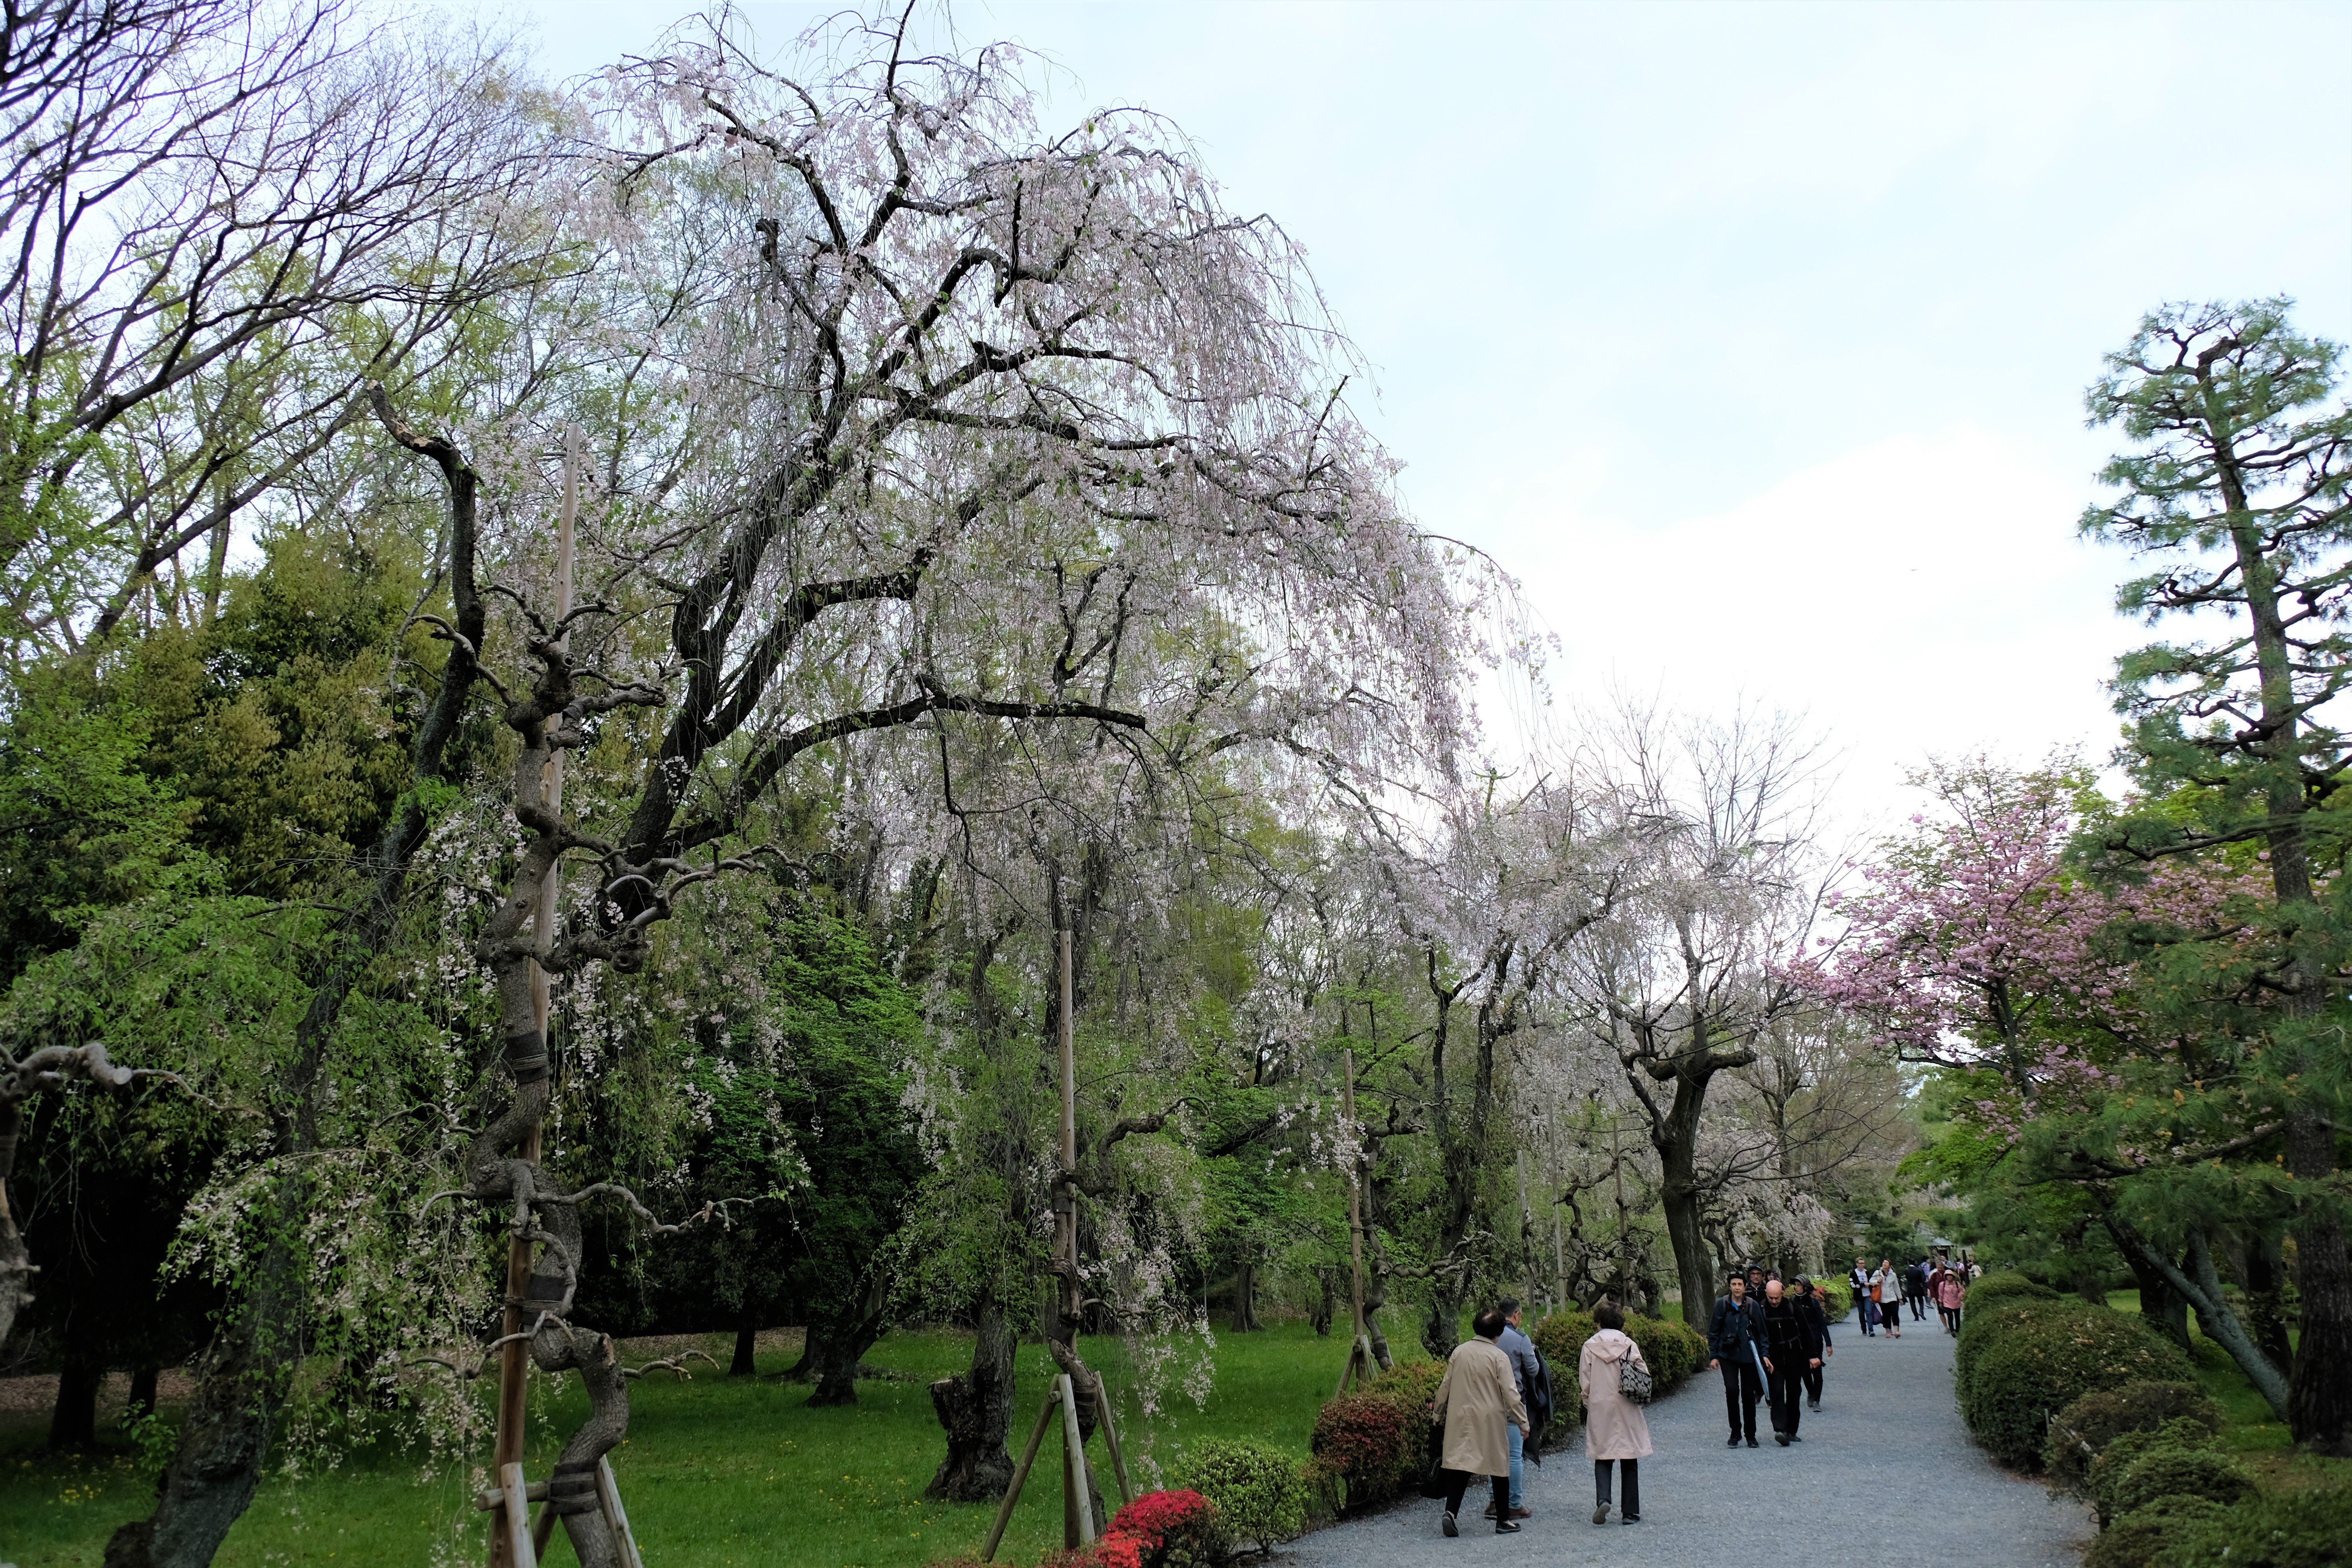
(1915, 1291)
(1524, 1370)
(1735, 1346)
(1886, 1289)
(1809, 1302)
(1476, 1397)
(1859, 1277)
(1615, 1430)
(1950, 1291)
(1790, 1351)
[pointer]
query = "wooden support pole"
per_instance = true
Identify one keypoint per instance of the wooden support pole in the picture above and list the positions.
(514, 1518)
(514, 1356)
(1111, 1441)
(1078, 1508)
(1361, 1346)
(1020, 1480)
(1527, 1229)
(1065, 1237)
(608, 1492)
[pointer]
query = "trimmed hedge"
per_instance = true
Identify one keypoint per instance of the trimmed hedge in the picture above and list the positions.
(1363, 1453)
(2098, 1419)
(1561, 1339)
(1672, 1349)
(2179, 1472)
(2004, 1285)
(2133, 1539)
(2029, 1359)
(1258, 1489)
(2107, 1471)
(2302, 1530)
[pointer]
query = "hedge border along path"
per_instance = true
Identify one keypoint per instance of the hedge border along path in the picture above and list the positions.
(1884, 1460)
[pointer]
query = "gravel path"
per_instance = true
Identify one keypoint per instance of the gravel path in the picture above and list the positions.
(1885, 1459)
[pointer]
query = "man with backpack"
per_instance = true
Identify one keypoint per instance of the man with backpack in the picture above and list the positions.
(1735, 1346)
(1535, 1394)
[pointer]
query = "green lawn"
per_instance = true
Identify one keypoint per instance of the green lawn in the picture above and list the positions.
(715, 1472)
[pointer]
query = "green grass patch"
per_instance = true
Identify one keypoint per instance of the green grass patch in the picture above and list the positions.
(716, 1472)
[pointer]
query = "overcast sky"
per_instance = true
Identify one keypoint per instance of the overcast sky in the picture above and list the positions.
(1751, 338)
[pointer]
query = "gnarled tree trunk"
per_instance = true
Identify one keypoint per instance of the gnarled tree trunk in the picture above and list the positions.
(976, 1408)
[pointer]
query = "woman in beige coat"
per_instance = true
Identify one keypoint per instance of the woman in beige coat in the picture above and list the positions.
(1478, 1394)
(1614, 1427)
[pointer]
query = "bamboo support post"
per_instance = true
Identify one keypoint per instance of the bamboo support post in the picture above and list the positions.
(514, 1518)
(1020, 1480)
(1111, 1441)
(608, 1492)
(1078, 1508)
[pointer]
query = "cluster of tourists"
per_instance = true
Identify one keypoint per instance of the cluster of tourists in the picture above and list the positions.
(1497, 1377)
(1769, 1340)
(1881, 1294)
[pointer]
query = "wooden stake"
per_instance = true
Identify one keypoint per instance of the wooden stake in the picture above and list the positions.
(514, 1518)
(1111, 1441)
(1020, 1480)
(1078, 1505)
(608, 1492)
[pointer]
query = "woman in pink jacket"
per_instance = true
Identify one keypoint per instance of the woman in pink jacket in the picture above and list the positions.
(1615, 1430)
(1951, 1291)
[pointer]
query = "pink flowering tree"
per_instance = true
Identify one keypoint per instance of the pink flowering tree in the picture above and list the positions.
(2102, 1092)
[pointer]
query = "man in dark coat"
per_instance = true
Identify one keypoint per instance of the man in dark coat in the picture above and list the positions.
(1809, 1301)
(1735, 1346)
(1914, 1289)
(1790, 1350)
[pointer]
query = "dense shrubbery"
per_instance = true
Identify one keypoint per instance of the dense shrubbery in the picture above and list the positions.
(1561, 1339)
(1258, 1489)
(2304, 1530)
(2132, 1540)
(2178, 1472)
(2025, 1359)
(1366, 1446)
(2082, 1431)
(1837, 1297)
(2106, 1472)
(2005, 1286)
(1672, 1348)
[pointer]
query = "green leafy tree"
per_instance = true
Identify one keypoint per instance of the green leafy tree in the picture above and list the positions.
(2236, 486)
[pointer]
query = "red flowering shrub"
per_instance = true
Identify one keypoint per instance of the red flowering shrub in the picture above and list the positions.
(1166, 1530)
(1359, 1447)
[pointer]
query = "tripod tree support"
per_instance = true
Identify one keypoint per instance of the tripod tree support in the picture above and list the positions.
(522, 1541)
(1078, 1507)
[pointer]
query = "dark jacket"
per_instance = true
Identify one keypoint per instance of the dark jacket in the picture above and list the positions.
(1790, 1338)
(1811, 1306)
(1733, 1329)
(1915, 1280)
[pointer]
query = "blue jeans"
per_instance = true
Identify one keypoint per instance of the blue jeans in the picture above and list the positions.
(1518, 1464)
